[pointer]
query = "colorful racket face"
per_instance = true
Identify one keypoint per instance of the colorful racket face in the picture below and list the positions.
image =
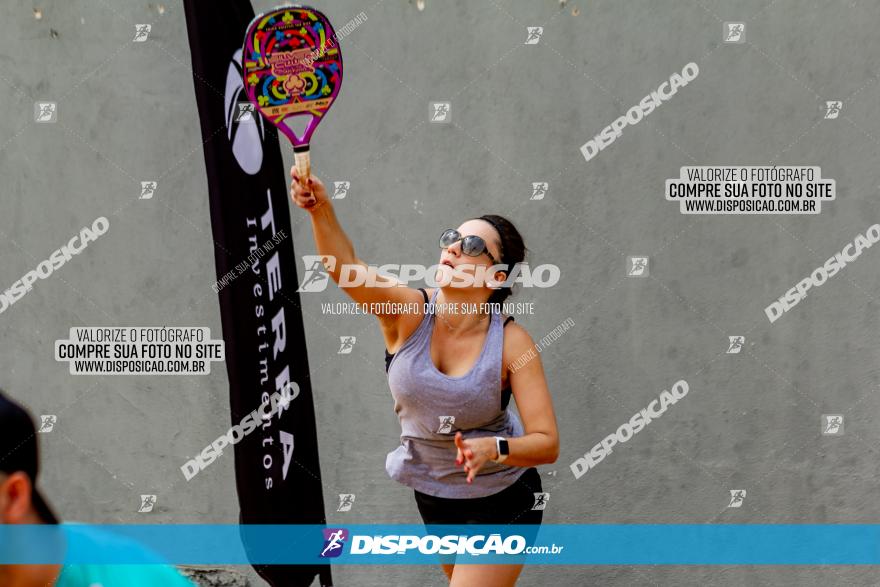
(292, 72)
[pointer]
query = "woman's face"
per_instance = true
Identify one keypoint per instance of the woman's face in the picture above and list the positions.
(454, 257)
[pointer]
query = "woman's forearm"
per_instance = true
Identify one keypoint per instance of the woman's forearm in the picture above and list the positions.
(528, 450)
(331, 240)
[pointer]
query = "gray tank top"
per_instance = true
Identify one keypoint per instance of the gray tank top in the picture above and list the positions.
(433, 406)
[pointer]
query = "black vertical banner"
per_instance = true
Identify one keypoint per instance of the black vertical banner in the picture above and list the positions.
(277, 472)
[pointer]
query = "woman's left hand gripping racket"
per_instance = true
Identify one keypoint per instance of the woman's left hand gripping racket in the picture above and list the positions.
(292, 70)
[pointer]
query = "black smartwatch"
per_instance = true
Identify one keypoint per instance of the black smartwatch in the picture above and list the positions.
(502, 448)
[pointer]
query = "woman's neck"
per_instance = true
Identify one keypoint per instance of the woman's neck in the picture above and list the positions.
(460, 316)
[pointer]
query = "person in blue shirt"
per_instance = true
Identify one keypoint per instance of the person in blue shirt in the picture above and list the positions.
(22, 503)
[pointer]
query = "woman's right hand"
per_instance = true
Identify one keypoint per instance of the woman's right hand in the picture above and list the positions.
(308, 199)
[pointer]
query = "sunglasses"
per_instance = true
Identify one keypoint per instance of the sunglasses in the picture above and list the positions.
(471, 245)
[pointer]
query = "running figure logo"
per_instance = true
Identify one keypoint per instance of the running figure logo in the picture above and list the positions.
(440, 112)
(47, 423)
(141, 32)
(637, 266)
(340, 189)
(735, 344)
(736, 498)
(539, 190)
(734, 32)
(446, 423)
(346, 344)
(148, 188)
(147, 503)
(316, 277)
(45, 112)
(832, 109)
(534, 35)
(346, 500)
(244, 112)
(334, 540)
(832, 424)
(541, 501)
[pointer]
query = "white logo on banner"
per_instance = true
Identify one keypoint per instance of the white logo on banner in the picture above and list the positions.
(286, 439)
(244, 127)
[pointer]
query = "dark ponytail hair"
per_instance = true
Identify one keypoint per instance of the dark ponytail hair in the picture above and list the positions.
(513, 251)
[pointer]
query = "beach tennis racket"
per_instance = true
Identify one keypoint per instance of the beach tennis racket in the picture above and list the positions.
(292, 72)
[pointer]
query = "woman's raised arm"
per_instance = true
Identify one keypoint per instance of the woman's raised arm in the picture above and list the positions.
(339, 255)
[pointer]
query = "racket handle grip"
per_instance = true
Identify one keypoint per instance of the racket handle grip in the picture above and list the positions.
(303, 166)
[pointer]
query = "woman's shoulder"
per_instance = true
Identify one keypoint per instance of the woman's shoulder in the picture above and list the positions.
(517, 344)
(516, 338)
(400, 327)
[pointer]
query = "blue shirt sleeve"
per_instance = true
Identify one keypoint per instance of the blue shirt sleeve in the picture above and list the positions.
(84, 538)
(121, 576)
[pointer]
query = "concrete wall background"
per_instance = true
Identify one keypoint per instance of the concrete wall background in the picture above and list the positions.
(520, 113)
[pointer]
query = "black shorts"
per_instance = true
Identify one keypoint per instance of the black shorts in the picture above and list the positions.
(512, 505)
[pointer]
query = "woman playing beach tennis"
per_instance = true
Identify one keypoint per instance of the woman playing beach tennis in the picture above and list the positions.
(468, 459)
